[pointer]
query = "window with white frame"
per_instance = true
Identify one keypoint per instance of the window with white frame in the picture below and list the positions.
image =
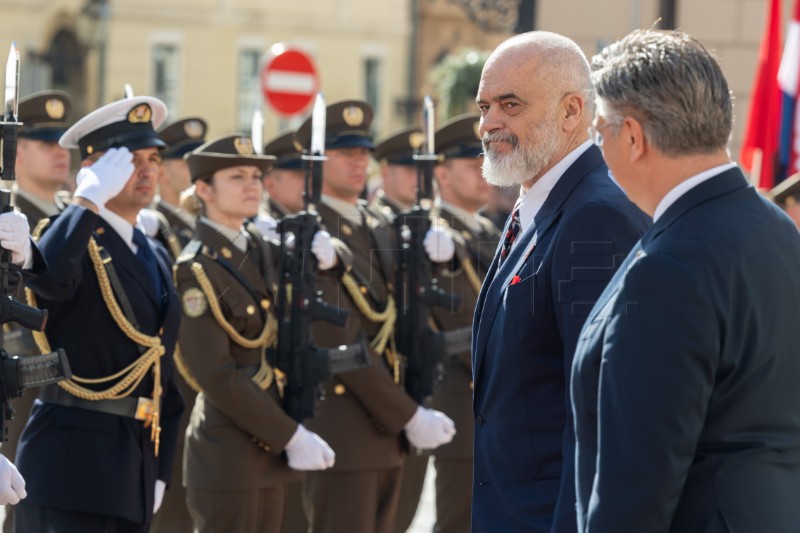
(166, 73)
(248, 88)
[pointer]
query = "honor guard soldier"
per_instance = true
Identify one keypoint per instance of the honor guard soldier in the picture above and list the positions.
(365, 412)
(787, 195)
(98, 449)
(395, 157)
(284, 183)
(234, 472)
(462, 193)
(174, 227)
(42, 165)
(42, 169)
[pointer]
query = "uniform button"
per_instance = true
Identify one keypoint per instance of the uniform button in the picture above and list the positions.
(479, 420)
(339, 389)
(251, 309)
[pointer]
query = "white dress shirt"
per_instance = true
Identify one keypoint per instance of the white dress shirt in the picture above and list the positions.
(685, 186)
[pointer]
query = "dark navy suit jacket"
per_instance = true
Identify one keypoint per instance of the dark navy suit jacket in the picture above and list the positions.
(88, 461)
(686, 380)
(524, 335)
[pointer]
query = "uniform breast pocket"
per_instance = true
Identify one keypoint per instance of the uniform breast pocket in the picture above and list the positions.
(244, 315)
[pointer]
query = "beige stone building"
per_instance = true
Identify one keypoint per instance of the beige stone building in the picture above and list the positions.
(204, 56)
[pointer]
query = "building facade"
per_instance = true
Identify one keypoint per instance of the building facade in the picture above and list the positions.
(205, 56)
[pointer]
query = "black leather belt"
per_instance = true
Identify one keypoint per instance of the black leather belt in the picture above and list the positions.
(138, 408)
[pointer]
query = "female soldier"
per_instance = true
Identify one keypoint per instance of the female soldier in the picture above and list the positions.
(233, 470)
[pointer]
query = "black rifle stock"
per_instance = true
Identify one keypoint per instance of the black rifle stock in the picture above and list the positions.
(416, 291)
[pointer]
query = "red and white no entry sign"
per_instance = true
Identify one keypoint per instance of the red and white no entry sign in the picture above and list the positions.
(289, 80)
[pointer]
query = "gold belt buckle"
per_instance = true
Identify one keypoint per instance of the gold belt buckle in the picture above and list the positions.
(144, 410)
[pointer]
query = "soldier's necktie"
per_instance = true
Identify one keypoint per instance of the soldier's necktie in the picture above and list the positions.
(145, 254)
(511, 235)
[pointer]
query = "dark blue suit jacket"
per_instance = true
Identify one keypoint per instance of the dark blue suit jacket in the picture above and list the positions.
(524, 335)
(88, 461)
(686, 381)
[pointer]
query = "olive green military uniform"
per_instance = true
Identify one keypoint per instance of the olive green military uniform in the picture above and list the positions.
(383, 208)
(233, 470)
(363, 413)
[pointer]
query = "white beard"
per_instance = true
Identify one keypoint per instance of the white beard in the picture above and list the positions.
(524, 162)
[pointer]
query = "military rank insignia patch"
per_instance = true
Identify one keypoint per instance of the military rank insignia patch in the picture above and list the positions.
(194, 302)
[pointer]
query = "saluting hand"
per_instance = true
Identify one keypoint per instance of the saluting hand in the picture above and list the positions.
(307, 451)
(106, 178)
(12, 486)
(15, 237)
(429, 429)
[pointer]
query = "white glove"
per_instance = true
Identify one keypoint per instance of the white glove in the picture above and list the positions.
(307, 451)
(15, 237)
(322, 248)
(148, 222)
(267, 226)
(439, 244)
(429, 429)
(158, 498)
(12, 486)
(106, 178)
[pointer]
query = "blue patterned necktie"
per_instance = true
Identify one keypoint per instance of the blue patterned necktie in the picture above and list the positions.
(145, 254)
(511, 235)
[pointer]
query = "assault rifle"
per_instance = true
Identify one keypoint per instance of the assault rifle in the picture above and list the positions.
(416, 290)
(305, 364)
(16, 373)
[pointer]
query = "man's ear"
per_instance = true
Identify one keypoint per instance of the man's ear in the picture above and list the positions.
(572, 109)
(633, 134)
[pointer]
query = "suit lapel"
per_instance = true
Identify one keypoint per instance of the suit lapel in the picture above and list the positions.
(493, 291)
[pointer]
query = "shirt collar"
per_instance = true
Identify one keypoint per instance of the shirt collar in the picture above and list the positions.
(48, 208)
(237, 237)
(123, 228)
(465, 216)
(178, 212)
(532, 200)
(686, 185)
(346, 209)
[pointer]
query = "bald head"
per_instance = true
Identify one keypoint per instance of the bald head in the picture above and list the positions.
(548, 57)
